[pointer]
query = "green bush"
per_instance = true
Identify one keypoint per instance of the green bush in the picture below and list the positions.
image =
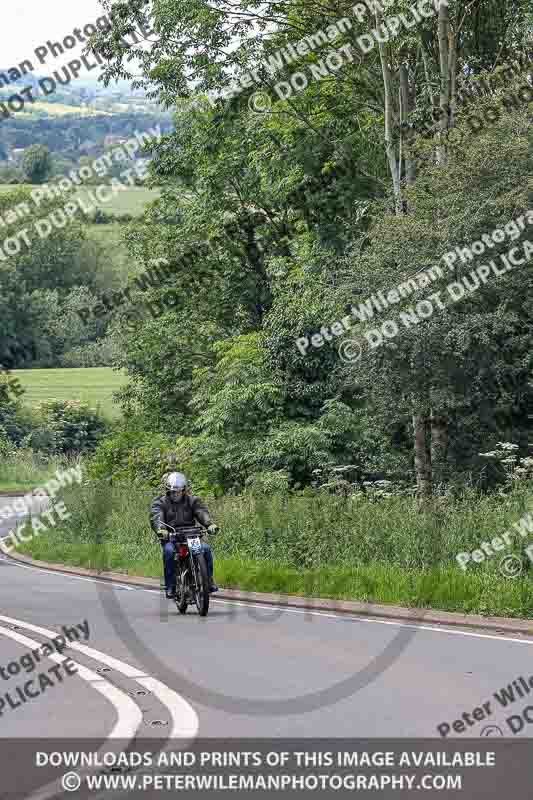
(100, 217)
(276, 482)
(15, 422)
(65, 427)
(143, 457)
(7, 448)
(133, 456)
(93, 354)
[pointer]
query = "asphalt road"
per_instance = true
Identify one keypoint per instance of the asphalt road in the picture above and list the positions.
(244, 671)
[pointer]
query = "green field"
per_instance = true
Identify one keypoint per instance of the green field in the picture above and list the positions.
(62, 110)
(130, 201)
(94, 385)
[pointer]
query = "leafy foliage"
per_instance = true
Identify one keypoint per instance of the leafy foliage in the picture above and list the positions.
(36, 164)
(65, 427)
(273, 225)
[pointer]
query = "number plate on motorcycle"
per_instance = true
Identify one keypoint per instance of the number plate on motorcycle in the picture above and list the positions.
(194, 544)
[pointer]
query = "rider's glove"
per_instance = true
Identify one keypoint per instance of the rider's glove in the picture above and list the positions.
(162, 533)
(213, 529)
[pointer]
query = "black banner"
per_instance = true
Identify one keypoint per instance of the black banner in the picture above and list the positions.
(154, 768)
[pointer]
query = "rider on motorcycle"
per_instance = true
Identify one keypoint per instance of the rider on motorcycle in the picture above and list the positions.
(180, 509)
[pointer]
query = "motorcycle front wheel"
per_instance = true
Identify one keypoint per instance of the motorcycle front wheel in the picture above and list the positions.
(182, 591)
(201, 593)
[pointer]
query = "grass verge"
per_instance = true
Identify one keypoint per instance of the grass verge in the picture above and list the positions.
(444, 589)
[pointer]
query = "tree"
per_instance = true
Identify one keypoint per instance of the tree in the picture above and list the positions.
(326, 191)
(48, 264)
(36, 163)
(452, 54)
(463, 369)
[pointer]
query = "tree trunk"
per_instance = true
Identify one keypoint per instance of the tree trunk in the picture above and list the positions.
(427, 73)
(422, 458)
(390, 148)
(448, 83)
(439, 447)
(446, 62)
(452, 66)
(405, 108)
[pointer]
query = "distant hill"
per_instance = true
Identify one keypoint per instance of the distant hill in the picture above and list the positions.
(69, 136)
(86, 94)
(75, 119)
(83, 83)
(27, 80)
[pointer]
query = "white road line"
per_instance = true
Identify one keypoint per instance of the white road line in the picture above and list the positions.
(184, 718)
(66, 574)
(129, 716)
(344, 617)
(185, 721)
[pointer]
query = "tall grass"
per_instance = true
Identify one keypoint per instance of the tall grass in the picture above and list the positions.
(322, 546)
(26, 469)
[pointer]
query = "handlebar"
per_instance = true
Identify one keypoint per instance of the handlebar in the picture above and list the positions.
(190, 530)
(196, 530)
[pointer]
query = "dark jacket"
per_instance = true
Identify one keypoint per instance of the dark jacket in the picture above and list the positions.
(180, 515)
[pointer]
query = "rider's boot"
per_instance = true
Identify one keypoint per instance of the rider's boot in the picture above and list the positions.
(212, 585)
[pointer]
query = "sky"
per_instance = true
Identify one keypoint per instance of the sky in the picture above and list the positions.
(28, 24)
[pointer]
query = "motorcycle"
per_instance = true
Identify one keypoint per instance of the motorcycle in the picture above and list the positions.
(192, 581)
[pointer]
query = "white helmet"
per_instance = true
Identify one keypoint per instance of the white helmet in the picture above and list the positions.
(176, 482)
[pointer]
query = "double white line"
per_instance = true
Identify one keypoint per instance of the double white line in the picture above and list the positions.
(129, 717)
